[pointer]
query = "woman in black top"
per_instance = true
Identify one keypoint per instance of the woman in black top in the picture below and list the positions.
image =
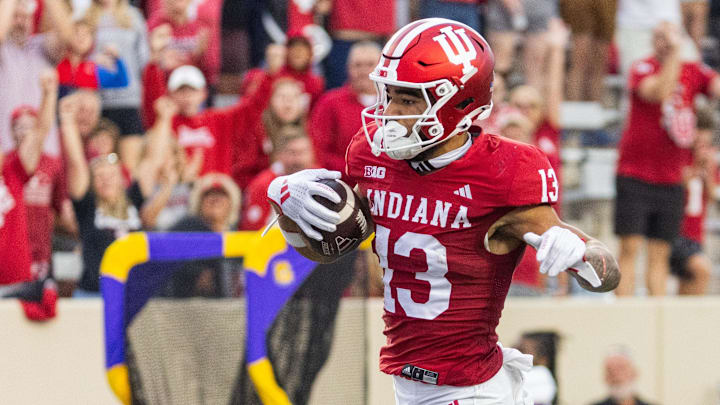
(105, 208)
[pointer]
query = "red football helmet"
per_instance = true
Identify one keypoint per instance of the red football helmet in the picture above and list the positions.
(451, 64)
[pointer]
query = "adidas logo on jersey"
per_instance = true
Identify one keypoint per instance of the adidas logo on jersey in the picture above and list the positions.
(464, 191)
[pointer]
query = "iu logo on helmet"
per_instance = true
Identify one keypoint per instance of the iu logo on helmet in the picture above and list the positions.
(464, 51)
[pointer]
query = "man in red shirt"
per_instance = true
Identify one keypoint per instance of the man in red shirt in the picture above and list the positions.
(44, 195)
(336, 116)
(452, 210)
(16, 170)
(293, 152)
(224, 137)
(653, 150)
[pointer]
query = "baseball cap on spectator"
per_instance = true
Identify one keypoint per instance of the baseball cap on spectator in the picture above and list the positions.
(186, 75)
(20, 111)
(216, 182)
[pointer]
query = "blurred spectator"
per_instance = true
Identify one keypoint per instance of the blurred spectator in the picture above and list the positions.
(540, 380)
(120, 25)
(490, 125)
(695, 19)
(292, 153)
(507, 22)
(30, 127)
(77, 71)
(214, 207)
(275, 56)
(25, 55)
(166, 169)
(653, 150)
(288, 107)
(464, 11)
(592, 23)
(44, 194)
(298, 66)
(336, 117)
(215, 200)
(635, 23)
(620, 377)
(88, 114)
(208, 13)
(293, 61)
(103, 140)
(104, 208)
(687, 260)
(375, 23)
(188, 40)
(225, 140)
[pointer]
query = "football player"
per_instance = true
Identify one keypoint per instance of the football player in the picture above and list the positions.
(453, 209)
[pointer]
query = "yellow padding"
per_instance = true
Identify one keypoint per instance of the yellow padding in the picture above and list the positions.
(119, 382)
(367, 243)
(270, 393)
(236, 244)
(123, 254)
(261, 249)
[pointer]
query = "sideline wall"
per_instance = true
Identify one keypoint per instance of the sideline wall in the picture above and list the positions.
(675, 341)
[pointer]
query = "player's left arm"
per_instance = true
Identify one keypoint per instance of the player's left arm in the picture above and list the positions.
(560, 245)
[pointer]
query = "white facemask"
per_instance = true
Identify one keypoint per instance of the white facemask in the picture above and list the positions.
(393, 135)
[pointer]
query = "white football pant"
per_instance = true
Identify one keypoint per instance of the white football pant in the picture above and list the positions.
(506, 387)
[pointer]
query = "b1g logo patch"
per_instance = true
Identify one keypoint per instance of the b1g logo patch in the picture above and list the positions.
(464, 51)
(375, 172)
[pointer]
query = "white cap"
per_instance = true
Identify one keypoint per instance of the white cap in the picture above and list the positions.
(186, 76)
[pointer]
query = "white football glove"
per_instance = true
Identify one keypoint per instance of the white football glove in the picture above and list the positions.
(294, 195)
(559, 249)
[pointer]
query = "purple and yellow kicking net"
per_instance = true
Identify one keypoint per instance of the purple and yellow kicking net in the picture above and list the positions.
(136, 266)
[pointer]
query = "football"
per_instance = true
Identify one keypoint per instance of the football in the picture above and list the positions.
(355, 226)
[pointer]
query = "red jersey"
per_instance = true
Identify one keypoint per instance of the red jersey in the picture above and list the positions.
(335, 120)
(696, 198)
(227, 137)
(14, 244)
(444, 291)
(44, 195)
(647, 149)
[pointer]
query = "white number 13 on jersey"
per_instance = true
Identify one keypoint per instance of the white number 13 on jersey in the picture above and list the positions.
(436, 257)
(550, 177)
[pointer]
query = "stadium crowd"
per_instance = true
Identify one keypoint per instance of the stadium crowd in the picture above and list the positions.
(113, 117)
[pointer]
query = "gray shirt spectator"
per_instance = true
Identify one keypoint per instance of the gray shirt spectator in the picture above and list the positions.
(132, 44)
